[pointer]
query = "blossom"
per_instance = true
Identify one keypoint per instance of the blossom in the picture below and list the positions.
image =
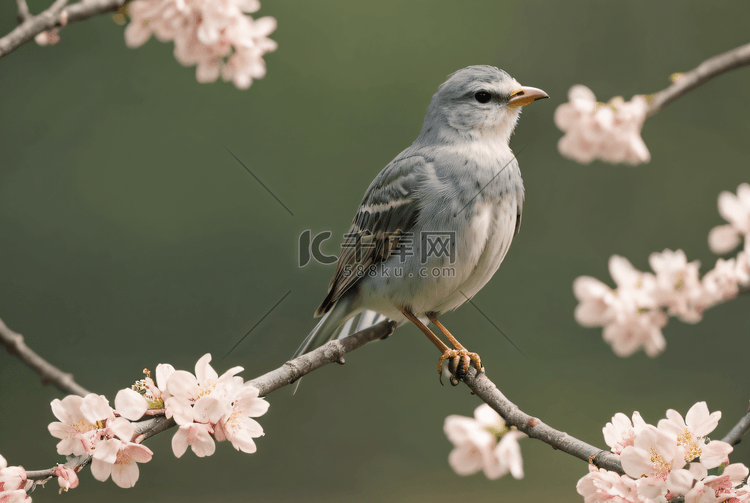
(667, 461)
(11, 477)
(620, 432)
(80, 419)
(119, 459)
(600, 486)
(678, 284)
(202, 397)
(237, 425)
(195, 435)
(12, 483)
(634, 313)
(691, 432)
(215, 35)
(210, 408)
(736, 210)
(722, 283)
(130, 404)
(476, 445)
(653, 455)
(610, 132)
(641, 329)
(508, 454)
(66, 478)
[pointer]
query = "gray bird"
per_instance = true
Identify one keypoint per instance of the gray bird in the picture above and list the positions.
(435, 224)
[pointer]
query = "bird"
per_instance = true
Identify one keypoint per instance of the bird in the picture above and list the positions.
(434, 226)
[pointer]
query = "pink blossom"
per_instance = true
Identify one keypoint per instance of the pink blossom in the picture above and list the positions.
(66, 478)
(678, 285)
(508, 455)
(598, 303)
(603, 486)
(720, 284)
(130, 404)
(473, 445)
(690, 434)
(610, 132)
(16, 496)
(118, 459)
(620, 433)
(736, 210)
(477, 447)
(640, 330)
(12, 478)
(653, 455)
(195, 435)
(80, 418)
(237, 425)
(203, 397)
(215, 35)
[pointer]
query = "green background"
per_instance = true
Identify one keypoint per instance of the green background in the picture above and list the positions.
(129, 236)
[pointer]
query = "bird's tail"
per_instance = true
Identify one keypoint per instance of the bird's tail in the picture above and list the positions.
(338, 323)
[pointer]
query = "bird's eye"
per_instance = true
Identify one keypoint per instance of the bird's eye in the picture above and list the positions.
(483, 96)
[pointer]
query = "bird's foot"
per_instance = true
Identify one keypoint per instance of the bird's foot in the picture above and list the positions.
(459, 362)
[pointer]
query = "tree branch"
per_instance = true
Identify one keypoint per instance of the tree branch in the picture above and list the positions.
(51, 18)
(50, 374)
(485, 389)
(704, 72)
(23, 11)
(334, 351)
(288, 373)
(734, 436)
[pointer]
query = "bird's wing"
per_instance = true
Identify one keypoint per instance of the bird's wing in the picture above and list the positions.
(388, 211)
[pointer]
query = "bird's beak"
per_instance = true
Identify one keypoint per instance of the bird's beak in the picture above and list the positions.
(525, 95)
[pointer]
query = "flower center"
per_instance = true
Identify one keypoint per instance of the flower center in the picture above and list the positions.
(691, 444)
(83, 426)
(123, 458)
(661, 466)
(206, 389)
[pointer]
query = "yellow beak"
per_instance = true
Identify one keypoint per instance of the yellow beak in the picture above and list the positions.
(525, 95)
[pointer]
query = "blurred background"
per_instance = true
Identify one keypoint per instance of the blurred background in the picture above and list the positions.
(130, 236)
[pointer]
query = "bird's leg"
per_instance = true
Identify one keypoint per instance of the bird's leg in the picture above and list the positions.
(442, 347)
(460, 357)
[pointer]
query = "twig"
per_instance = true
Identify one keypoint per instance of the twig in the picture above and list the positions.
(51, 18)
(23, 11)
(50, 374)
(734, 436)
(704, 72)
(31, 27)
(485, 389)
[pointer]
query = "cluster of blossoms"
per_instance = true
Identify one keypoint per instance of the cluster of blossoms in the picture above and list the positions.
(205, 406)
(485, 443)
(610, 132)
(666, 461)
(215, 35)
(634, 313)
(12, 483)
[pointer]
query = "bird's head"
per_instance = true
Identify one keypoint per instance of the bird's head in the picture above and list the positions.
(477, 102)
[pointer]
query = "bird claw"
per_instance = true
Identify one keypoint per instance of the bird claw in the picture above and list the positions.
(459, 362)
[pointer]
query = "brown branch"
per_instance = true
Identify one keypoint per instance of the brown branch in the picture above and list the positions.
(734, 436)
(291, 371)
(485, 389)
(704, 72)
(50, 374)
(52, 18)
(23, 11)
